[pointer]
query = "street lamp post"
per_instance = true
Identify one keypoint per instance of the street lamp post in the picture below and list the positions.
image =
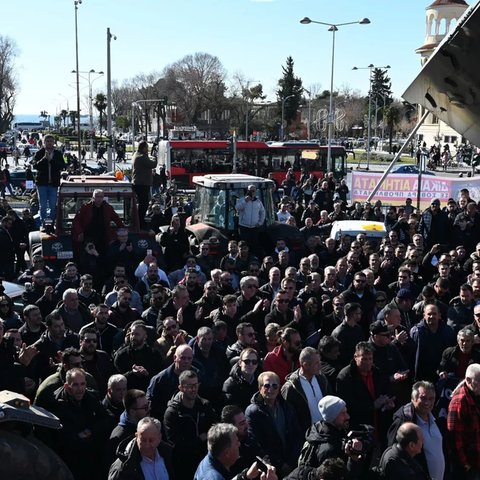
(283, 115)
(246, 114)
(109, 99)
(90, 102)
(332, 28)
(309, 112)
(134, 104)
(79, 133)
(369, 148)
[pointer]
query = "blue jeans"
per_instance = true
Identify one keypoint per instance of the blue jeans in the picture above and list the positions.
(47, 194)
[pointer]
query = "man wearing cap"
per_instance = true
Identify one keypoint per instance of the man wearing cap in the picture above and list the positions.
(327, 438)
(403, 302)
(433, 225)
(385, 355)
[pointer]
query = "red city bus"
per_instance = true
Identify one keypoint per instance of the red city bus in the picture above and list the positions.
(185, 159)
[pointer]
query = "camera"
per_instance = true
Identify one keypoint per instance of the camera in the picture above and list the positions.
(364, 435)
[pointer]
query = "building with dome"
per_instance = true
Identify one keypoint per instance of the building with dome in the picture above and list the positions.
(441, 18)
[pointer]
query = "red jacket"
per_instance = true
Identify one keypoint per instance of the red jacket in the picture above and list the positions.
(82, 218)
(276, 362)
(463, 424)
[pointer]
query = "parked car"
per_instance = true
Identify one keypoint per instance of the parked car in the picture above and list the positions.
(5, 146)
(19, 181)
(14, 291)
(409, 169)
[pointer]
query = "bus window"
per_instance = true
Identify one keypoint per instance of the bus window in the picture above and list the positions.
(339, 166)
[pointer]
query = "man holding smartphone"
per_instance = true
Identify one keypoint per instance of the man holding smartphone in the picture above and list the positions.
(251, 217)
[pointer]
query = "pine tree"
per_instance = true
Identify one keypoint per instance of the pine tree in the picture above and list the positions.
(381, 90)
(289, 85)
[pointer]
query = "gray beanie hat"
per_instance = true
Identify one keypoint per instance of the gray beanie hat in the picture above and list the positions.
(330, 407)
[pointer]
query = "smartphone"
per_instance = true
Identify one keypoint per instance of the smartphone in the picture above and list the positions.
(309, 279)
(262, 465)
(149, 252)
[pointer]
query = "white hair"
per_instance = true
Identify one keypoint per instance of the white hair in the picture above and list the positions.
(147, 421)
(114, 379)
(67, 291)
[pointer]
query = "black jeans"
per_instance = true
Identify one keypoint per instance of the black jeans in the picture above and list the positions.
(143, 196)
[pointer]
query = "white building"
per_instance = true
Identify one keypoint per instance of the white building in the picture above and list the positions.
(441, 17)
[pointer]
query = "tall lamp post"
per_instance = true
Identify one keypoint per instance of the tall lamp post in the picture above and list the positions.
(369, 148)
(309, 111)
(109, 99)
(90, 102)
(246, 114)
(283, 115)
(332, 28)
(79, 133)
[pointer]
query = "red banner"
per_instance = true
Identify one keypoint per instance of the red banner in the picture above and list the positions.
(396, 188)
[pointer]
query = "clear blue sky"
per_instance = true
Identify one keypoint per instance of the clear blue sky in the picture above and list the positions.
(252, 36)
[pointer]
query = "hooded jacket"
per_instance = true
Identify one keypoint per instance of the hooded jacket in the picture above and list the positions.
(236, 390)
(324, 441)
(127, 465)
(63, 284)
(125, 429)
(293, 393)
(183, 427)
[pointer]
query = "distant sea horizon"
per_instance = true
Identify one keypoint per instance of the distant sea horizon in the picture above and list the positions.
(26, 117)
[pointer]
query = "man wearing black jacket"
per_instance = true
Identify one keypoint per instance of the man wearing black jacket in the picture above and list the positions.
(329, 349)
(49, 164)
(86, 426)
(138, 361)
(187, 421)
(136, 407)
(305, 387)
(398, 462)
(165, 384)
(326, 439)
(145, 449)
(365, 390)
(249, 447)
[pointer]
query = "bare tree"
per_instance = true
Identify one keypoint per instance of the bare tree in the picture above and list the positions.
(8, 81)
(196, 83)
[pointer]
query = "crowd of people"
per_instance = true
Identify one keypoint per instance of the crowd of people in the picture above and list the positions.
(345, 359)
